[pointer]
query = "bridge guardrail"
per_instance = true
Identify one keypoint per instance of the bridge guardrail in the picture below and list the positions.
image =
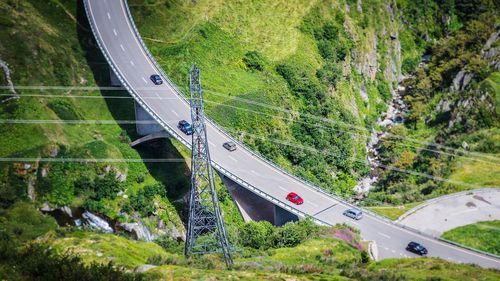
(232, 176)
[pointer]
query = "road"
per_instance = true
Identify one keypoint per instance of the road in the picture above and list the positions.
(115, 33)
(451, 211)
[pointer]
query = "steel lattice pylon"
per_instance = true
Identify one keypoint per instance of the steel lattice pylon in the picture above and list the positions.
(205, 217)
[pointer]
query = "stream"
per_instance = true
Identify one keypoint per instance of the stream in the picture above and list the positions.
(395, 114)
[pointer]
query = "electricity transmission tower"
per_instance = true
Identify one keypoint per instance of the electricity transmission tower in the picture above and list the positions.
(205, 225)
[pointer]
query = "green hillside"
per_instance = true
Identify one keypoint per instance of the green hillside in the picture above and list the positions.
(272, 75)
(301, 82)
(46, 126)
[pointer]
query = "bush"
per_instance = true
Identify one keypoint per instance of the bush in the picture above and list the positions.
(254, 60)
(64, 109)
(142, 201)
(257, 234)
(169, 244)
(330, 73)
(107, 186)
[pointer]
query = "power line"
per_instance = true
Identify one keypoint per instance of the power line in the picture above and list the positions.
(92, 160)
(78, 122)
(352, 158)
(457, 152)
(235, 107)
(361, 135)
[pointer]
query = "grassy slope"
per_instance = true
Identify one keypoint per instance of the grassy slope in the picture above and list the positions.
(51, 51)
(216, 37)
(323, 258)
(23, 222)
(103, 248)
(394, 212)
(484, 236)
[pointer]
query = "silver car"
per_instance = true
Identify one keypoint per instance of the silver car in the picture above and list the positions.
(353, 213)
(231, 146)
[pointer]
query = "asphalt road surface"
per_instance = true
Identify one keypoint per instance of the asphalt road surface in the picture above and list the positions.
(115, 33)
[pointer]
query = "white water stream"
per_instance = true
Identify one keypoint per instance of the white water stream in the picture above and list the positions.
(394, 115)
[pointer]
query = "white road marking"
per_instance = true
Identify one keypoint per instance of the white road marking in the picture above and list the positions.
(314, 204)
(387, 249)
(114, 31)
(254, 172)
(385, 235)
(109, 16)
(158, 96)
(144, 79)
(176, 114)
(123, 48)
(211, 143)
(232, 158)
(353, 222)
(281, 187)
(393, 251)
(132, 63)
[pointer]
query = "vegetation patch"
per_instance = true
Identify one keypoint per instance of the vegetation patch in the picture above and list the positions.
(484, 236)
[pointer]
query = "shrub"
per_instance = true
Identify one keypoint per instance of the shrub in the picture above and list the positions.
(254, 60)
(142, 200)
(330, 73)
(169, 244)
(256, 234)
(107, 186)
(64, 109)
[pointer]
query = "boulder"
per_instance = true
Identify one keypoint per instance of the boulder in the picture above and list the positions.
(139, 231)
(96, 222)
(144, 268)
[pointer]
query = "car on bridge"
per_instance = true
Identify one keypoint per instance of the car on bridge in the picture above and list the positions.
(353, 214)
(294, 198)
(185, 127)
(416, 248)
(156, 79)
(231, 146)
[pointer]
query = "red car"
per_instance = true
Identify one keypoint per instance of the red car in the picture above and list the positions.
(294, 198)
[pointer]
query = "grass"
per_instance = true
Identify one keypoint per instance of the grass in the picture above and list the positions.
(394, 212)
(484, 236)
(23, 222)
(320, 258)
(432, 269)
(476, 173)
(104, 248)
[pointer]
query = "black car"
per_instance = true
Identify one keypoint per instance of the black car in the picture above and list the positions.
(416, 248)
(156, 79)
(185, 127)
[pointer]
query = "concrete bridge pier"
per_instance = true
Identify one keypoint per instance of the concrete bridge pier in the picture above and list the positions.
(113, 79)
(147, 127)
(253, 207)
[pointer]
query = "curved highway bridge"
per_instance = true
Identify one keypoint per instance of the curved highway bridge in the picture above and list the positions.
(132, 63)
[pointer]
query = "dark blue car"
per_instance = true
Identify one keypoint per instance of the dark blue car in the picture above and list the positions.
(416, 248)
(156, 79)
(185, 127)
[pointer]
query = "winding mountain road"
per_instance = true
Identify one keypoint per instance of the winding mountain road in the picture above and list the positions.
(129, 58)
